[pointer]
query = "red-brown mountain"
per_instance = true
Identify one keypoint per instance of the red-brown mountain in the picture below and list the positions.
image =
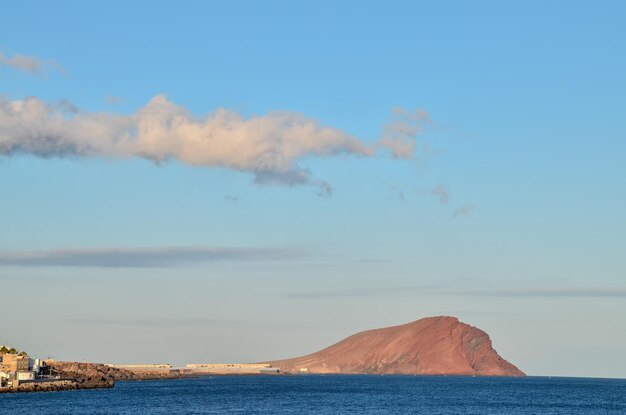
(430, 346)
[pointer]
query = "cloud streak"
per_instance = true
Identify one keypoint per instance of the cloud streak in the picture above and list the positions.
(358, 292)
(142, 257)
(463, 211)
(28, 64)
(556, 293)
(169, 323)
(269, 146)
(587, 292)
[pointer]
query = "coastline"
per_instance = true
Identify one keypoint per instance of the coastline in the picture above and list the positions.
(46, 386)
(75, 375)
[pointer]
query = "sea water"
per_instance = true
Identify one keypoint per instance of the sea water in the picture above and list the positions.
(334, 394)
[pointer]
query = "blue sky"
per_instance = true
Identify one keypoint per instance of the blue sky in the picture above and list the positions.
(508, 213)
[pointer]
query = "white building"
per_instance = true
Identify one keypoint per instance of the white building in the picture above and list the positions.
(24, 375)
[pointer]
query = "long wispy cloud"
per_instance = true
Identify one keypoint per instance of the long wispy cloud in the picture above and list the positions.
(564, 292)
(554, 293)
(168, 323)
(29, 64)
(269, 146)
(359, 292)
(171, 322)
(143, 257)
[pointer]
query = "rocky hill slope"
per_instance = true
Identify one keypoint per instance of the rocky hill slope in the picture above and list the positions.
(97, 375)
(430, 346)
(90, 375)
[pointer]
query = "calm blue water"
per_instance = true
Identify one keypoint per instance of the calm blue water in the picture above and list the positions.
(334, 395)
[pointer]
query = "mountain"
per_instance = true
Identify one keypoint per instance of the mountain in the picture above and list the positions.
(429, 346)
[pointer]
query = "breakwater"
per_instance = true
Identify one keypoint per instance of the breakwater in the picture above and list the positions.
(44, 386)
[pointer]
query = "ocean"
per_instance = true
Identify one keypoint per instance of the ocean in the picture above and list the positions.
(334, 394)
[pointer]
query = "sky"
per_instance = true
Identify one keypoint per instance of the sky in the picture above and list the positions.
(237, 181)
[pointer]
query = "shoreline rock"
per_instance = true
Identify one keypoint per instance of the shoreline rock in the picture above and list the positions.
(76, 375)
(95, 374)
(47, 386)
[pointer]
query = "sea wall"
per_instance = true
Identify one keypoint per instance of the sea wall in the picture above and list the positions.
(229, 369)
(45, 386)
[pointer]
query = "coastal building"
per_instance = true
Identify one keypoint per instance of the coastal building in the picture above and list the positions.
(143, 366)
(20, 371)
(230, 368)
(4, 379)
(37, 365)
(14, 362)
(25, 375)
(228, 365)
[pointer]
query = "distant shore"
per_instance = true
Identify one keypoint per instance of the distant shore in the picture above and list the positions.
(78, 375)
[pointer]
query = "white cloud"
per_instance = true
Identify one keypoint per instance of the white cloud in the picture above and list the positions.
(269, 146)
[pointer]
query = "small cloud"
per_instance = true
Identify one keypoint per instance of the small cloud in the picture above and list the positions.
(113, 100)
(22, 63)
(441, 193)
(399, 134)
(324, 189)
(142, 257)
(66, 106)
(463, 211)
(398, 193)
(29, 64)
(294, 177)
(231, 199)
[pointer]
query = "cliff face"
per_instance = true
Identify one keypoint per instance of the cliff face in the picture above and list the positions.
(90, 375)
(430, 346)
(96, 375)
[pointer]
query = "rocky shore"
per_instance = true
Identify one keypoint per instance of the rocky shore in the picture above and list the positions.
(75, 375)
(45, 386)
(100, 375)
